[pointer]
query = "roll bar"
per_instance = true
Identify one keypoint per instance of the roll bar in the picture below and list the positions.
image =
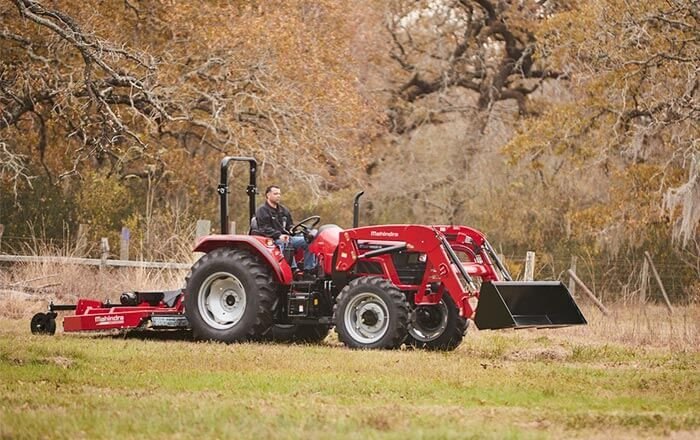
(222, 189)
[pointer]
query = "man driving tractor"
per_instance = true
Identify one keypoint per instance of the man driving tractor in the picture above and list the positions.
(273, 220)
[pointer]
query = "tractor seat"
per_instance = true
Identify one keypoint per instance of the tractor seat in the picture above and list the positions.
(253, 227)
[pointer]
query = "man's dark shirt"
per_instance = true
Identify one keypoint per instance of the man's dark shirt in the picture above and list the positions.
(272, 222)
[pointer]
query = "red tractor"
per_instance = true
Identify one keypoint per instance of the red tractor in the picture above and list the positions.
(379, 286)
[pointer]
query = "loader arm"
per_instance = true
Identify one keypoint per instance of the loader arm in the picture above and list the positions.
(442, 264)
(502, 303)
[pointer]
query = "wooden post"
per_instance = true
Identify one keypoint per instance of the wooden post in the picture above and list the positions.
(588, 292)
(572, 283)
(124, 244)
(644, 284)
(2, 229)
(203, 228)
(81, 240)
(232, 228)
(104, 252)
(529, 266)
(658, 280)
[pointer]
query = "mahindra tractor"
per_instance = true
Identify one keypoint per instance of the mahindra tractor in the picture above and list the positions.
(379, 286)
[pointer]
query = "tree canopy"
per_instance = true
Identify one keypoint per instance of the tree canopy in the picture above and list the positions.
(565, 126)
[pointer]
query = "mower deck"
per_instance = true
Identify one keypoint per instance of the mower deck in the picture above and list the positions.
(157, 310)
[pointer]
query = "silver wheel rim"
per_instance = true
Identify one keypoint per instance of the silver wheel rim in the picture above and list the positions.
(221, 301)
(423, 334)
(366, 318)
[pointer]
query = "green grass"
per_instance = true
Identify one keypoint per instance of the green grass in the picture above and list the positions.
(530, 384)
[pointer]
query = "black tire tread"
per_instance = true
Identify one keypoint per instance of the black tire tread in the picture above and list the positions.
(264, 281)
(451, 338)
(43, 324)
(398, 299)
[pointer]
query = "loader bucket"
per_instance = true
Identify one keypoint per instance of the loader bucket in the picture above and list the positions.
(525, 304)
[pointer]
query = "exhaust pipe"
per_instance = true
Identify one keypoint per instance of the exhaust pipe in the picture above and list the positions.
(356, 209)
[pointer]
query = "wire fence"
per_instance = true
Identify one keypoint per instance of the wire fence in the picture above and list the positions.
(611, 278)
(93, 262)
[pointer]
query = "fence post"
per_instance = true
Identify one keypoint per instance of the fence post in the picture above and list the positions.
(202, 229)
(644, 284)
(81, 240)
(658, 281)
(104, 252)
(529, 266)
(572, 283)
(588, 292)
(124, 244)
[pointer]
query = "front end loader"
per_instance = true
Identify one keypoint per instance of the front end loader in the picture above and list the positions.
(380, 286)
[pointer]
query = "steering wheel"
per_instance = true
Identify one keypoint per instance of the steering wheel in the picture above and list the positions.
(305, 225)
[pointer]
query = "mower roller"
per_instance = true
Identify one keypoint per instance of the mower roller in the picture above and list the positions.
(380, 286)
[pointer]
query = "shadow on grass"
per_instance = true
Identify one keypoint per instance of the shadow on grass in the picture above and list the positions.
(153, 335)
(186, 335)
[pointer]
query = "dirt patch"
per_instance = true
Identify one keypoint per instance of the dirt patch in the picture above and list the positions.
(538, 354)
(61, 361)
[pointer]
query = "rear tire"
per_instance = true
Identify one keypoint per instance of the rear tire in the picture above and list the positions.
(230, 295)
(306, 334)
(437, 327)
(371, 313)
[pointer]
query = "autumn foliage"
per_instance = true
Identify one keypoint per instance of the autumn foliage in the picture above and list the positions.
(567, 127)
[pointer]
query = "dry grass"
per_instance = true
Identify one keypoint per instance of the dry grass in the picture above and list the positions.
(27, 288)
(630, 375)
(509, 384)
(643, 325)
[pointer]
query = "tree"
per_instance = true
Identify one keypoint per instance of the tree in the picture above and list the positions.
(628, 134)
(150, 92)
(464, 72)
(634, 114)
(484, 47)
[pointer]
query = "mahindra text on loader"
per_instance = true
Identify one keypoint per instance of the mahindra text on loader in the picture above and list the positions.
(380, 286)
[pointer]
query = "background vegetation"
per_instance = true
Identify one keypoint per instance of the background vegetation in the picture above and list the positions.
(561, 126)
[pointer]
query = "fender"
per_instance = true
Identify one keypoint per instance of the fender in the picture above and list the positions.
(324, 245)
(263, 246)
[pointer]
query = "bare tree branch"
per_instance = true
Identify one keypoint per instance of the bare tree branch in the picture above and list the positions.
(467, 44)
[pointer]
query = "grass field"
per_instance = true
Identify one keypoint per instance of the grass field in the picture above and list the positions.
(633, 375)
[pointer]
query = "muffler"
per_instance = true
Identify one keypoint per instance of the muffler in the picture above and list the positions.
(526, 304)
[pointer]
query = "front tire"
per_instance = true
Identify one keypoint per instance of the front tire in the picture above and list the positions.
(230, 295)
(437, 327)
(371, 313)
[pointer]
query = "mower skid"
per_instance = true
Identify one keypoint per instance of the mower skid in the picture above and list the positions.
(526, 304)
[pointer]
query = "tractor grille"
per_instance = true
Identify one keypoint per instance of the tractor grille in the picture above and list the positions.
(408, 268)
(369, 267)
